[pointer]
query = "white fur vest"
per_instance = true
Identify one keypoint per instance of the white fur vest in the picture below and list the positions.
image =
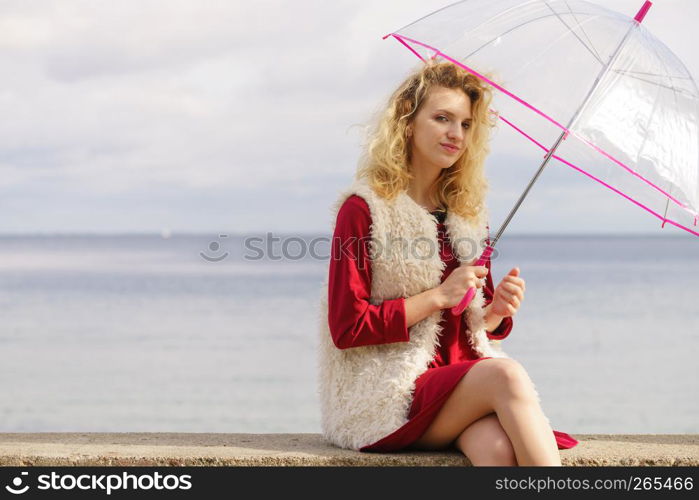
(365, 392)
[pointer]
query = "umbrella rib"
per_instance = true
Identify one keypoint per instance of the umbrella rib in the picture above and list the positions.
(648, 122)
(667, 73)
(582, 171)
(594, 55)
(655, 106)
(604, 153)
(509, 31)
(544, 115)
(646, 73)
(669, 87)
(599, 58)
(662, 61)
(499, 14)
(428, 15)
(667, 205)
(590, 50)
(620, 193)
(410, 48)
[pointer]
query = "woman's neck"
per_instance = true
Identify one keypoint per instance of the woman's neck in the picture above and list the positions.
(419, 187)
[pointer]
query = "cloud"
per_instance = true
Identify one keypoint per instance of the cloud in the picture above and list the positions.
(184, 107)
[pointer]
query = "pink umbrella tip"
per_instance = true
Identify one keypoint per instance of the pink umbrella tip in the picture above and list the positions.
(386, 36)
(643, 11)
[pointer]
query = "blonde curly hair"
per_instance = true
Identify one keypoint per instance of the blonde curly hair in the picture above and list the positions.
(460, 188)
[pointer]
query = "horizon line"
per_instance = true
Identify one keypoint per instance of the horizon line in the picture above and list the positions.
(167, 234)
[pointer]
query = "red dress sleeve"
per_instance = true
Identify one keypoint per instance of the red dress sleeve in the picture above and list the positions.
(503, 330)
(352, 319)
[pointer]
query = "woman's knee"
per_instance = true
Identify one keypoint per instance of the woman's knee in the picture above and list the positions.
(502, 452)
(485, 443)
(511, 380)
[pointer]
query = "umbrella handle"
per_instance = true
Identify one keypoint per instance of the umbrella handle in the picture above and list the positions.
(456, 310)
(461, 306)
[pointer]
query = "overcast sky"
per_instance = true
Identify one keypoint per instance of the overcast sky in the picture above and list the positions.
(228, 116)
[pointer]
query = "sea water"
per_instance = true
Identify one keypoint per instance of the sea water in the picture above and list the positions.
(218, 333)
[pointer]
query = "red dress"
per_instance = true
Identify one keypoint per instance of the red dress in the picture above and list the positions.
(355, 322)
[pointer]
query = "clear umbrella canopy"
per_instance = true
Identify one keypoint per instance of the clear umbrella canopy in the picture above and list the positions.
(627, 107)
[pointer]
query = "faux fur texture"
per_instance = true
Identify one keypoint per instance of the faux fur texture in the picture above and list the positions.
(365, 392)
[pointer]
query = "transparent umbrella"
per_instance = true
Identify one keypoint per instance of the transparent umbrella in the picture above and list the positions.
(592, 88)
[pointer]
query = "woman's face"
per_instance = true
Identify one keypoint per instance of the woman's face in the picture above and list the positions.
(440, 130)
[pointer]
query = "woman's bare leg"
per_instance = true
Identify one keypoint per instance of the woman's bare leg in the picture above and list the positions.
(499, 385)
(528, 429)
(485, 442)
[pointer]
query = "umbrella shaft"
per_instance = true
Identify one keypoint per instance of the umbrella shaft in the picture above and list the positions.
(563, 135)
(526, 191)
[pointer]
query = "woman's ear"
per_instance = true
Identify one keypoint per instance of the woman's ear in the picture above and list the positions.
(409, 131)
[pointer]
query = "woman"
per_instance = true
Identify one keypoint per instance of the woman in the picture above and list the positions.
(397, 369)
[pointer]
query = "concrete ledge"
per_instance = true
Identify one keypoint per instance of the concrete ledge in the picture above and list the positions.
(157, 449)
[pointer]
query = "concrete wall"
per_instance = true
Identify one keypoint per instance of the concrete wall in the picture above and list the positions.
(126, 449)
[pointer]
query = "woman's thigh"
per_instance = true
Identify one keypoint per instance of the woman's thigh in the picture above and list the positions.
(485, 442)
(473, 398)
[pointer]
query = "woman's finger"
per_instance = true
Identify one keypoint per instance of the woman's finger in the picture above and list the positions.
(509, 306)
(504, 297)
(514, 300)
(513, 289)
(519, 282)
(511, 298)
(514, 280)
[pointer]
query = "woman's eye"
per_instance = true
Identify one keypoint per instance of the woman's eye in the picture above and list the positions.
(466, 125)
(440, 118)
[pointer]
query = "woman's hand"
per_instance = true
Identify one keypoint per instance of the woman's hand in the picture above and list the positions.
(508, 295)
(452, 290)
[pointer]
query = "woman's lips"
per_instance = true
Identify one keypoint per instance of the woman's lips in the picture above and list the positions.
(450, 149)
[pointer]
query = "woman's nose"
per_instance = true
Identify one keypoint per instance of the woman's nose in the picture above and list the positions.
(456, 133)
